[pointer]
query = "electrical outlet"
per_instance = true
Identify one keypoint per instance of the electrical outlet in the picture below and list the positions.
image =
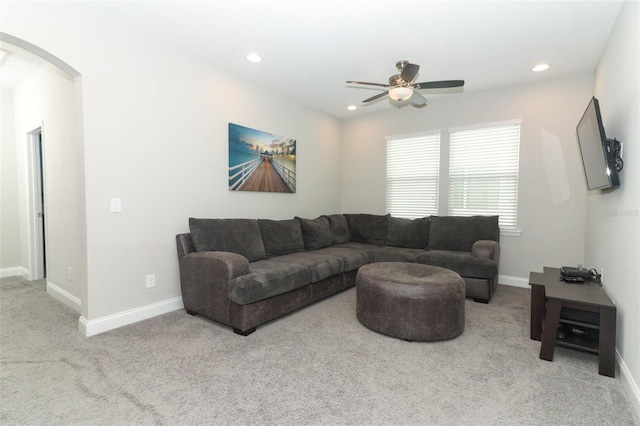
(70, 273)
(151, 280)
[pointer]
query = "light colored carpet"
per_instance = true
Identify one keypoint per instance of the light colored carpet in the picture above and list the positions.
(317, 366)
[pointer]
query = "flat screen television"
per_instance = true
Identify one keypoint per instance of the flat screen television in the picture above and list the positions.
(600, 156)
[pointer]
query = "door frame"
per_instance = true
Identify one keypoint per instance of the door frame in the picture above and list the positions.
(37, 207)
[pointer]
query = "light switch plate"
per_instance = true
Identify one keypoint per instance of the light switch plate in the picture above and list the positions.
(116, 205)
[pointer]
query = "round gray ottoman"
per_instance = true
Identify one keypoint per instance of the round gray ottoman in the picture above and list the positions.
(410, 301)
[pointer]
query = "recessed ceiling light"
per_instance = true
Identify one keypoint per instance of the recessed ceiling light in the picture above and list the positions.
(352, 107)
(254, 57)
(540, 67)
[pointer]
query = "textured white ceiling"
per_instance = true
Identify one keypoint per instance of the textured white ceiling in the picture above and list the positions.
(311, 48)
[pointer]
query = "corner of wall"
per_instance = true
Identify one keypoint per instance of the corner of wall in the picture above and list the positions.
(63, 296)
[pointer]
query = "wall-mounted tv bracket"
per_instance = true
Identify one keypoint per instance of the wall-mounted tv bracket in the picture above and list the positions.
(616, 146)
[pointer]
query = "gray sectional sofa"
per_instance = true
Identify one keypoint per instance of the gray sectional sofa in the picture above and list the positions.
(246, 272)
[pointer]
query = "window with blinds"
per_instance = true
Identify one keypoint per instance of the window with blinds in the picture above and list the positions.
(412, 175)
(483, 172)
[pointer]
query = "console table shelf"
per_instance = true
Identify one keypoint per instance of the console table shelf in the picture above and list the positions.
(581, 324)
(580, 345)
(555, 303)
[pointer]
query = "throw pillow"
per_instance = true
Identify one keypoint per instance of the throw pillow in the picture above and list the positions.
(281, 237)
(459, 233)
(339, 228)
(316, 233)
(409, 233)
(368, 228)
(240, 236)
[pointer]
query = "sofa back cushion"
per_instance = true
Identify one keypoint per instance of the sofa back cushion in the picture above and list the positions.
(281, 237)
(316, 233)
(240, 236)
(368, 228)
(409, 233)
(459, 233)
(339, 228)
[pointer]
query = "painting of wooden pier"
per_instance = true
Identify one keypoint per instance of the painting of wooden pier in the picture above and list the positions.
(261, 161)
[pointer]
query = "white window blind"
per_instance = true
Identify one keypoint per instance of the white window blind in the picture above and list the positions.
(412, 175)
(483, 172)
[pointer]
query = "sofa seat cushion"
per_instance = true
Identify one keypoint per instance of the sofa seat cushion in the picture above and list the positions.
(360, 246)
(395, 254)
(267, 279)
(464, 263)
(320, 265)
(352, 258)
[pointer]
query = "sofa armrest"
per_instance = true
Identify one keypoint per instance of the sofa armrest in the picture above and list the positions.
(220, 264)
(184, 244)
(204, 282)
(486, 249)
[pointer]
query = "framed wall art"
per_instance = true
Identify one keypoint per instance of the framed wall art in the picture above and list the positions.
(261, 161)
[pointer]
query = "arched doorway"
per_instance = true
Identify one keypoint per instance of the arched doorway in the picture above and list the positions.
(50, 173)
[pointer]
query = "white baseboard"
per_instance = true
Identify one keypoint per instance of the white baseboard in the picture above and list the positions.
(629, 384)
(110, 322)
(15, 271)
(64, 296)
(513, 281)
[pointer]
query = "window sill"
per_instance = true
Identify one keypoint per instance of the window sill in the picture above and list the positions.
(510, 232)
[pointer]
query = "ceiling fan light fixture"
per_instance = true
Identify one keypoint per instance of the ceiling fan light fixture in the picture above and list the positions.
(400, 93)
(402, 87)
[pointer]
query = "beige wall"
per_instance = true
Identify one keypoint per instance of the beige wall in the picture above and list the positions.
(552, 188)
(155, 135)
(10, 261)
(613, 217)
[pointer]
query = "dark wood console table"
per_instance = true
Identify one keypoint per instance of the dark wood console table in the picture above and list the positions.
(550, 295)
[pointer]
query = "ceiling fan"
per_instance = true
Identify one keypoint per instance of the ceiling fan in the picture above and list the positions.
(401, 86)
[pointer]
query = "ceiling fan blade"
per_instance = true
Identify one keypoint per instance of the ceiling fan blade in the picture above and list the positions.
(440, 84)
(417, 100)
(409, 72)
(378, 96)
(370, 84)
